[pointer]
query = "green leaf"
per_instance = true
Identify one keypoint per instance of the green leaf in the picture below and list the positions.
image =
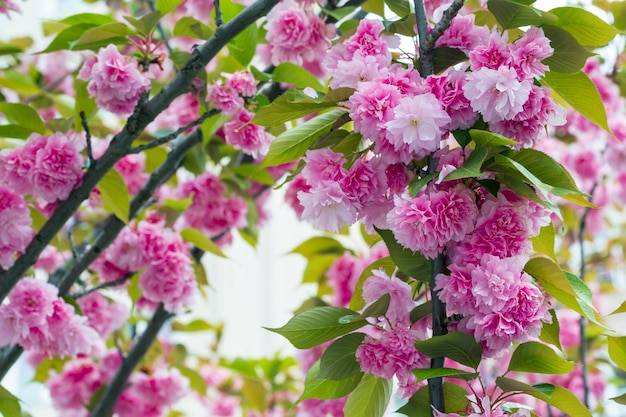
(621, 399)
(510, 14)
(197, 325)
(340, 12)
(114, 195)
(374, 6)
(620, 309)
(101, 36)
(387, 264)
(444, 58)
(46, 367)
(586, 27)
(196, 381)
(538, 358)
(550, 332)
(146, 23)
(243, 46)
(190, 27)
(339, 361)
(293, 74)
(318, 325)
(404, 26)
(428, 373)
(291, 105)
(457, 346)
(419, 404)
(556, 396)
(413, 264)
(316, 268)
(583, 294)
(369, 398)
(319, 245)
(255, 173)
(19, 82)
(66, 38)
(416, 185)
(201, 241)
(421, 311)
(211, 125)
(83, 103)
(580, 93)
(569, 56)
(23, 116)
(471, 167)
(14, 131)
(617, 350)
(166, 6)
(553, 280)
(378, 308)
(544, 242)
(484, 139)
(293, 143)
(399, 7)
(326, 389)
(9, 404)
(91, 18)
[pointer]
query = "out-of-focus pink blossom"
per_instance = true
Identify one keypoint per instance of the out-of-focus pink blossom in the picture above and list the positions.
(246, 136)
(15, 226)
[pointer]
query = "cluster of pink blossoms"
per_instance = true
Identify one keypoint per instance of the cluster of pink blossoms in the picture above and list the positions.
(500, 304)
(15, 226)
(296, 34)
(146, 395)
(114, 80)
(393, 351)
(211, 211)
(238, 131)
(167, 271)
(47, 167)
(38, 320)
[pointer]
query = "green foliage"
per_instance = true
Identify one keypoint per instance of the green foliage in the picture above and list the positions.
(201, 241)
(9, 404)
(471, 167)
(569, 56)
(369, 398)
(387, 264)
(339, 361)
(419, 404)
(538, 358)
(550, 332)
(291, 105)
(511, 14)
(399, 7)
(457, 346)
(580, 93)
(413, 264)
(617, 350)
(586, 27)
(23, 121)
(318, 325)
(192, 28)
(295, 75)
(166, 6)
(428, 373)
(114, 195)
(544, 242)
(325, 389)
(196, 381)
(556, 396)
(293, 143)
(146, 24)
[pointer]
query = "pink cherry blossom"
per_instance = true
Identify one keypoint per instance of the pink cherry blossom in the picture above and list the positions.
(528, 52)
(225, 99)
(9, 6)
(463, 34)
(327, 206)
(496, 93)
(401, 296)
(418, 122)
(299, 183)
(433, 218)
(102, 315)
(161, 389)
(492, 54)
(182, 111)
(323, 165)
(448, 88)
(114, 80)
(371, 107)
(72, 389)
(15, 226)
(246, 136)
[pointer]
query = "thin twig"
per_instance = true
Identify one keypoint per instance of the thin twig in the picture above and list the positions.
(83, 121)
(219, 19)
(106, 284)
(170, 137)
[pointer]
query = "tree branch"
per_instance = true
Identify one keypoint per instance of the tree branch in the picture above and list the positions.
(129, 363)
(120, 144)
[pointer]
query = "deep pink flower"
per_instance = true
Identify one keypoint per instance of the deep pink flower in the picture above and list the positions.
(114, 80)
(463, 34)
(455, 289)
(72, 389)
(528, 52)
(343, 275)
(241, 82)
(401, 296)
(495, 282)
(371, 107)
(492, 55)
(103, 316)
(182, 111)
(433, 218)
(161, 389)
(287, 32)
(225, 99)
(448, 88)
(296, 185)
(323, 165)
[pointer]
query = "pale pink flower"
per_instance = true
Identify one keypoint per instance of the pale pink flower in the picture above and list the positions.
(418, 122)
(528, 52)
(323, 165)
(495, 282)
(371, 107)
(448, 88)
(242, 83)
(288, 32)
(433, 218)
(225, 99)
(296, 185)
(114, 80)
(131, 404)
(407, 80)
(401, 296)
(49, 260)
(15, 226)
(359, 69)
(365, 182)
(455, 289)
(492, 55)
(246, 136)
(199, 9)
(103, 316)
(182, 111)
(131, 168)
(327, 206)
(496, 93)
